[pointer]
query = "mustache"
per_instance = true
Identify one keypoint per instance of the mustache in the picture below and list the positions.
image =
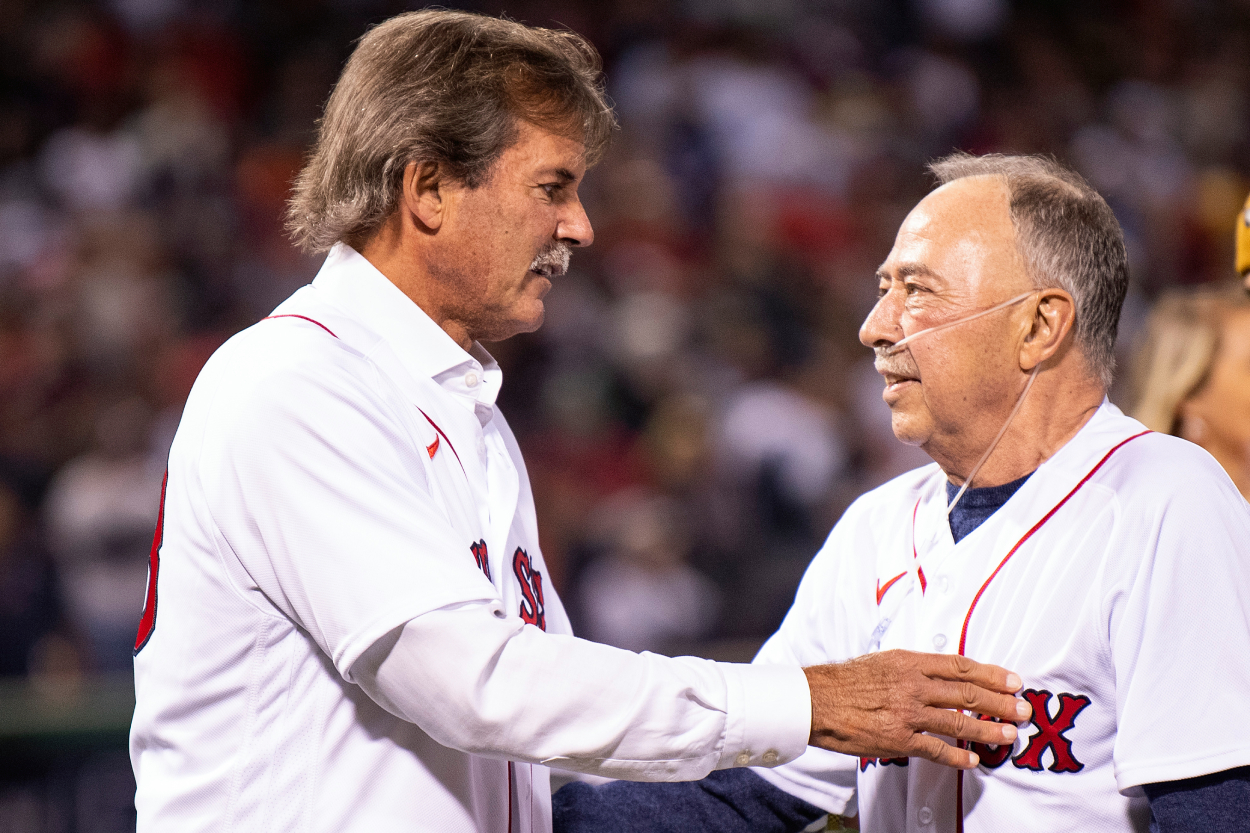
(900, 363)
(553, 259)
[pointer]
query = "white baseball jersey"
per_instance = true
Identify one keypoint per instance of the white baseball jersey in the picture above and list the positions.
(1116, 582)
(340, 470)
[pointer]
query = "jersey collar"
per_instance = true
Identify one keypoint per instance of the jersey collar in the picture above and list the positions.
(350, 282)
(1045, 487)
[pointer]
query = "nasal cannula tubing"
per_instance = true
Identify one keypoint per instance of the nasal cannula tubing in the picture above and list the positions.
(993, 445)
(896, 346)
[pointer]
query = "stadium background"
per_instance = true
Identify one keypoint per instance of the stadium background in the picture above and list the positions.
(695, 413)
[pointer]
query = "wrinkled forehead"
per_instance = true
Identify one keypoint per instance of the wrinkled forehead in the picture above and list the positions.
(961, 233)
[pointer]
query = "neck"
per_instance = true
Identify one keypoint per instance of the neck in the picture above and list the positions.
(1055, 410)
(396, 250)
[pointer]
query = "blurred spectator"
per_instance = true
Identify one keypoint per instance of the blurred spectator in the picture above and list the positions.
(641, 594)
(33, 635)
(702, 352)
(100, 516)
(1193, 375)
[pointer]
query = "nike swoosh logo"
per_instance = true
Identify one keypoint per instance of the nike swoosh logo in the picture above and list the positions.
(881, 591)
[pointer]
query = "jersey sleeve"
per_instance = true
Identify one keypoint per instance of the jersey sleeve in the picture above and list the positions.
(729, 801)
(821, 627)
(319, 496)
(1179, 629)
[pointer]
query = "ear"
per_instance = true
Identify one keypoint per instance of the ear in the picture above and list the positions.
(424, 194)
(1052, 320)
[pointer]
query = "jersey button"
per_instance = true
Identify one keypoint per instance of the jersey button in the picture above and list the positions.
(471, 378)
(925, 816)
(769, 757)
(939, 641)
(743, 758)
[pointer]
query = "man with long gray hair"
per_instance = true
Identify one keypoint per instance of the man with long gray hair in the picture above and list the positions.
(1108, 564)
(348, 622)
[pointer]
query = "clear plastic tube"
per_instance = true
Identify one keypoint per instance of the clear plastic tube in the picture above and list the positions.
(898, 345)
(993, 445)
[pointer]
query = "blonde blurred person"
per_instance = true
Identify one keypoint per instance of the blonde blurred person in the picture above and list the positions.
(1192, 375)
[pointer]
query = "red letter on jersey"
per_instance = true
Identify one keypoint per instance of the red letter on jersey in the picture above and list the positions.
(532, 609)
(865, 762)
(481, 557)
(147, 624)
(992, 756)
(1050, 732)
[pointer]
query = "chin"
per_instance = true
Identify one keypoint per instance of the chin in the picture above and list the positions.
(907, 428)
(524, 321)
(537, 314)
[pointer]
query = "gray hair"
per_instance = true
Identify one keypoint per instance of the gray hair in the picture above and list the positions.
(1068, 238)
(444, 87)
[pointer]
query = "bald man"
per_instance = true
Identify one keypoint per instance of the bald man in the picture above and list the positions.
(1052, 534)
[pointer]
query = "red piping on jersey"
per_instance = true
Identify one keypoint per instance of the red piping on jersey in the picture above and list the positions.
(924, 585)
(304, 317)
(963, 634)
(441, 434)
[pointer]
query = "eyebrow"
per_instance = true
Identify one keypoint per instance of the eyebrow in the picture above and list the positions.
(564, 175)
(906, 271)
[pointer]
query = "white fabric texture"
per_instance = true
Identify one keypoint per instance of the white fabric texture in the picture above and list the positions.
(344, 500)
(1133, 595)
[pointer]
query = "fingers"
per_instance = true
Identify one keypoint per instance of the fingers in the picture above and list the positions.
(957, 725)
(941, 752)
(883, 704)
(969, 697)
(958, 668)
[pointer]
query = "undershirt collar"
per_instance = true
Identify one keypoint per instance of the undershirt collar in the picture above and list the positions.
(976, 506)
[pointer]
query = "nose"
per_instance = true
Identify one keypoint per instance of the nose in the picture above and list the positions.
(883, 326)
(574, 226)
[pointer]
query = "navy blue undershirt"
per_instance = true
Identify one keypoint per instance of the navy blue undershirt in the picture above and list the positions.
(739, 801)
(976, 506)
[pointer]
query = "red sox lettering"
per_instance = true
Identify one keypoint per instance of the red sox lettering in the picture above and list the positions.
(1050, 732)
(1050, 735)
(532, 608)
(147, 623)
(864, 763)
(481, 557)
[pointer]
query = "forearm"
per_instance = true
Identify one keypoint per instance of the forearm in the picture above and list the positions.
(491, 686)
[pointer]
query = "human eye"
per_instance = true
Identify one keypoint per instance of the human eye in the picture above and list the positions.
(553, 190)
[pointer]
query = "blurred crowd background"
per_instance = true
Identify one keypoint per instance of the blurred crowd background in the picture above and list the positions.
(697, 411)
